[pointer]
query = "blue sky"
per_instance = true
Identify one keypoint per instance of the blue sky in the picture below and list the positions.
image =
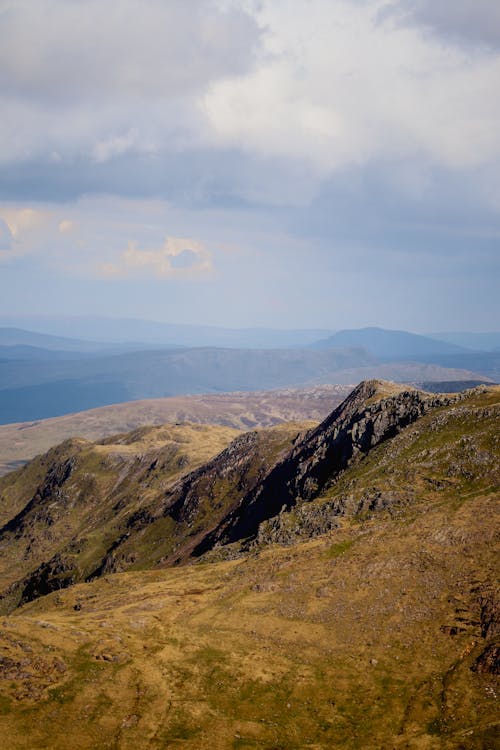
(291, 163)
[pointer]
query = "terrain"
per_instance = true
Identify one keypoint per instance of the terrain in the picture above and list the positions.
(44, 388)
(477, 352)
(333, 585)
(43, 376)
(243, 411)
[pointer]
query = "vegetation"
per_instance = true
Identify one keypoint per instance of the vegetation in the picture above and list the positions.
(378, 629)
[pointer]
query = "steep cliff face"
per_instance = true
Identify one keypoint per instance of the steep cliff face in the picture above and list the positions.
(167, 531)
(374, 412)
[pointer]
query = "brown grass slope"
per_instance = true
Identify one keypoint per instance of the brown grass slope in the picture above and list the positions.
(380, 632)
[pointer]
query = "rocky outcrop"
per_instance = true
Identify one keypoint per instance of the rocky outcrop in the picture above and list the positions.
(258, 490)
(50, 489)
(374, 412)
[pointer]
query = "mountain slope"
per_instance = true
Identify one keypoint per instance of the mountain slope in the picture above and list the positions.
(53, 388)
(158, 334)
(96, 507)
(373, 413)
(380, 632)
(10, 337)
(149, 515)
(80, 493)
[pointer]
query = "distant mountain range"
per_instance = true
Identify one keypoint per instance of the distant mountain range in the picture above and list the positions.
(44, 375)
(487, 342)
(155, 334)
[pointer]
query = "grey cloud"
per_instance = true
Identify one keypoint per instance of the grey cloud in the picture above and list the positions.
(447, 221)
(476, 21)
(55, 50)
(87, 80)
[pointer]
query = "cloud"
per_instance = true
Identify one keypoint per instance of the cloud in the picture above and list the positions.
(22, 221)
(472, 21)
(66, 226)
(5, 239)
(132, 96)
(19, 228)
(86, 240)
(338, 84)
(86, 79)
(178, 258)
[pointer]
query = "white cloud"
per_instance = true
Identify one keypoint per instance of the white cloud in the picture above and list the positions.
(161, 262)
(145, 97)
(66, 226)
(24, 221)
(337, 86)
(87, 238)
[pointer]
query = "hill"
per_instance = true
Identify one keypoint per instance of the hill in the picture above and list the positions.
(401, 348)
(387, 344)
(31, 391)
(345, 597)
(477, 341)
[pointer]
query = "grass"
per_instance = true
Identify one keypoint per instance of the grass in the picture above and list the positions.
(339, 548)
(282, 649)
(213, 660)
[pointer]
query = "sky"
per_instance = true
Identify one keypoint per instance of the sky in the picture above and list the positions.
(285, 163)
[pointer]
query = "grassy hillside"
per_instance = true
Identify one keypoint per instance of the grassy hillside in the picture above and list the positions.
(371, 636)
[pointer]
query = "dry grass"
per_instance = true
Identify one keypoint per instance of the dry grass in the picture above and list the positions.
(292, 648)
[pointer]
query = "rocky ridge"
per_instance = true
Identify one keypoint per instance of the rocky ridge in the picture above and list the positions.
(259, 490)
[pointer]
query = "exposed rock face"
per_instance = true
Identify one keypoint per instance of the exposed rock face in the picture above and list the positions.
(255, 492)
(51, 488)
(360, 423)
(200, 500)
(489, 661)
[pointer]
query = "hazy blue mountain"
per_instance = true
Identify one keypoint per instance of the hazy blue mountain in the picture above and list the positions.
(35, 390)
(52, 387)
(154, 333)
(387, 344)
(35, 353)
(168, 372)
(486, 342)
(10, 336)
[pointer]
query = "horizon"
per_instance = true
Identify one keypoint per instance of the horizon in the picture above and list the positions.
(46, 317)
(264, 179)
